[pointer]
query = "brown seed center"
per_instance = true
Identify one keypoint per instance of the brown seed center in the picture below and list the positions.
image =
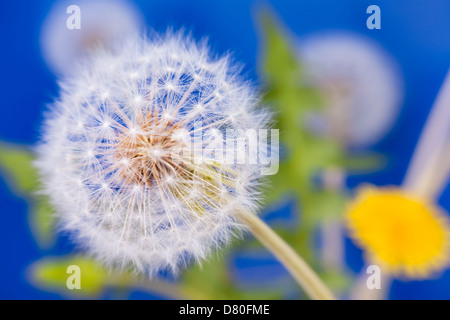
(151, 154)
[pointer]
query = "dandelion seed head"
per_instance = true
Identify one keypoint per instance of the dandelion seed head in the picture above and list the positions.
(130, 167)
(102, 22)
(360, 82)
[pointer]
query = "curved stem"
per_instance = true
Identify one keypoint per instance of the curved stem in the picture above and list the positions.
(431, 158)
(433, 179)
(299, 269)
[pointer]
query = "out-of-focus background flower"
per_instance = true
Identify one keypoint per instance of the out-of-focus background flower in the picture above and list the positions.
(376, 89)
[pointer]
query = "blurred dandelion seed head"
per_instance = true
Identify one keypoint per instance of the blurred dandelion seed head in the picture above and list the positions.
(361, 85)
(102, 23)
(115, 157)
(403, 233)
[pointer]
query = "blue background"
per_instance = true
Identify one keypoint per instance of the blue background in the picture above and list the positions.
(415, 32)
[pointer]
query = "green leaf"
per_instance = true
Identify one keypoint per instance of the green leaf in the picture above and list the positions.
(293, 99)
(51, 274)
(306, 153)
(364, 163)
(327, 205)
(42, 220)
(16, 164)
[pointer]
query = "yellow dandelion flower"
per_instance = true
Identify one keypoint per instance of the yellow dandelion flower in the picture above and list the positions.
(403, 233)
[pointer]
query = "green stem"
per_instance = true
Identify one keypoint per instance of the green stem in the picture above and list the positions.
(299, 269)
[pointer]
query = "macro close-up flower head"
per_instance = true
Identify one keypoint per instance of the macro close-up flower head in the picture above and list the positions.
(132, 153)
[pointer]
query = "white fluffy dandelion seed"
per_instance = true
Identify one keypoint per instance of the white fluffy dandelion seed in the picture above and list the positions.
(360, 82)
(102, 23)
(117, 162)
